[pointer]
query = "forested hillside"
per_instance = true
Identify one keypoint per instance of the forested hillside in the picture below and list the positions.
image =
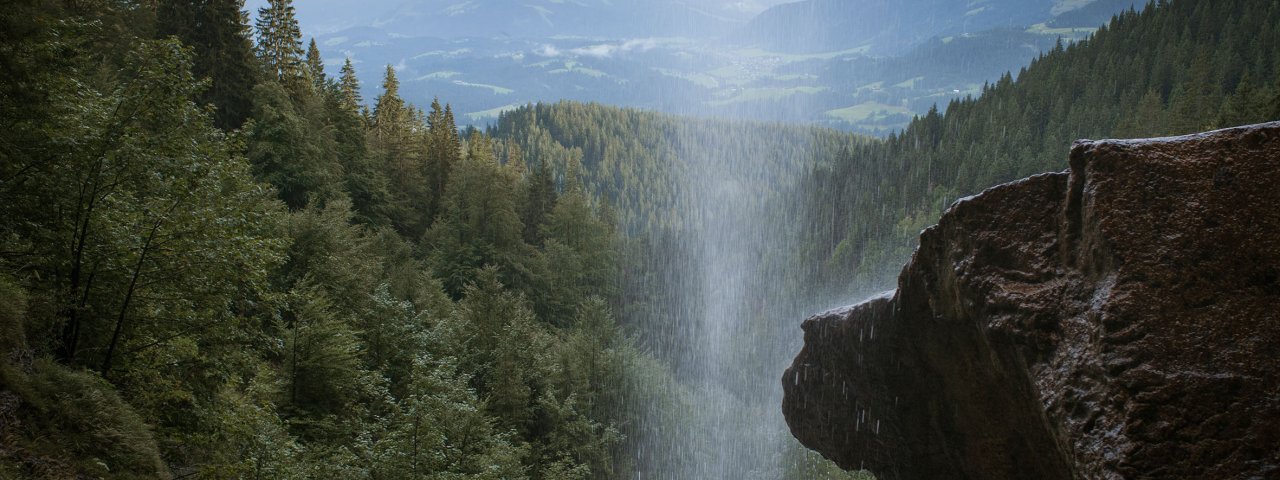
(1180, 67)
(286, 283)
(218, 261)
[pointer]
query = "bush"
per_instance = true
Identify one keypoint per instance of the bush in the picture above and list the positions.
(60, 423)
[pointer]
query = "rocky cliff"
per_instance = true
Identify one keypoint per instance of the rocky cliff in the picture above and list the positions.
(1117, 320)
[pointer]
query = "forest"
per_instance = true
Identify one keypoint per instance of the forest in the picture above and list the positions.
(218, 261)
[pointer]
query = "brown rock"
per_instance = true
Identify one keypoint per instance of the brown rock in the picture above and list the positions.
(1119, 320)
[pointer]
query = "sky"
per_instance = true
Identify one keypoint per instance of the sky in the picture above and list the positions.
(319, 17)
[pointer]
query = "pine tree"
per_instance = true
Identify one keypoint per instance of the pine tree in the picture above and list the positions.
(288, 152)
(478, 224)
(315, 66)
(280, 42)
(350, 87)
(540, 199)
(323, 356)
(218, 30)
(437, 431)
(390, 113)
(366, 182)
(444, 150)
(1245, 105)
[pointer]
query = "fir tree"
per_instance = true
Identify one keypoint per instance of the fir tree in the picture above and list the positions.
(280, 42)
(391, 115)
(349, 87)
(315, 66)
(218, 30)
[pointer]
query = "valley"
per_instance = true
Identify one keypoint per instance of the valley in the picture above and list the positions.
(728, 64)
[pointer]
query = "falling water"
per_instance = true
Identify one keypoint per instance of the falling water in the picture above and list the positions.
(740, 328)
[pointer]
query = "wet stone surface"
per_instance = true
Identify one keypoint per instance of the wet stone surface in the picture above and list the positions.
(1118, 320)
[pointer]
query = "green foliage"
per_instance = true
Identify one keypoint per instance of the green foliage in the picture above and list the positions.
(439, 433)
(479, 225)
(580, 245)
(801, 462)
(288, 151)
(407, 304)
(1175, 68)
(280, 44)
(322, 360)
(62, 423)
(243, 436)
(224, 55)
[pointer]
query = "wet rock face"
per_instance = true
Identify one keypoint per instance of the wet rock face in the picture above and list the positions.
(1119, 320)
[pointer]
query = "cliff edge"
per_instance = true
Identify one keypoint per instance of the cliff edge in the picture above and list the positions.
(1117, 320)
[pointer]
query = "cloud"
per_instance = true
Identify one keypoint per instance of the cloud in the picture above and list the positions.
(608, 50)
(603, 50)
(642, 44)
(547, 51)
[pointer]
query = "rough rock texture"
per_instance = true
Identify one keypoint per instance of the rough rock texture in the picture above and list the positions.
(1119, 320)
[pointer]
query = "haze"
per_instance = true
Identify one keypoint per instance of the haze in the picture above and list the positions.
(867, 66)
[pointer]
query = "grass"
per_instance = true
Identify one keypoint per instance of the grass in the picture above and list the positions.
(800, 57)
(700, 79)
(496, 89)
(765, 93)
(492, 112)
(871, 86)
(732, 74)
(590, 72)
(1063, 6)
(1044, 29)
(866, 111)
(439, 75)
(911, 83)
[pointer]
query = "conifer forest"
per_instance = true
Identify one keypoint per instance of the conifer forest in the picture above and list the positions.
(231, 251)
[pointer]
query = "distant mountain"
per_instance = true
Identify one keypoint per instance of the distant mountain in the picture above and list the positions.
(451, 19)
(489, 56)
(546, 18)
(893, 26)
(1097, 13)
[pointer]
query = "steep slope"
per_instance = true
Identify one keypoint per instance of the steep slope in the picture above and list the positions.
(885, 26)
(1180, 67)
(1114, 321)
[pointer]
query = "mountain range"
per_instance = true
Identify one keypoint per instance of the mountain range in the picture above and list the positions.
(865, 65)
(530, 18)
(885, 26)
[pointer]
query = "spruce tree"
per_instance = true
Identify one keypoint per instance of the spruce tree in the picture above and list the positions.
(390, 113)
(444, 150)
(315, 66)
(349, 86)
(218, 30)
(280, 41)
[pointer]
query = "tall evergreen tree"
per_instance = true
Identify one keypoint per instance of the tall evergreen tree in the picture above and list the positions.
(397, 141)
(478, 224)
(315, 66)
(280, 42)
(391, 114)
(349, 87)
(289, 151)
(444, 150)
(366, 182)
(540, 199)
(218, 30)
